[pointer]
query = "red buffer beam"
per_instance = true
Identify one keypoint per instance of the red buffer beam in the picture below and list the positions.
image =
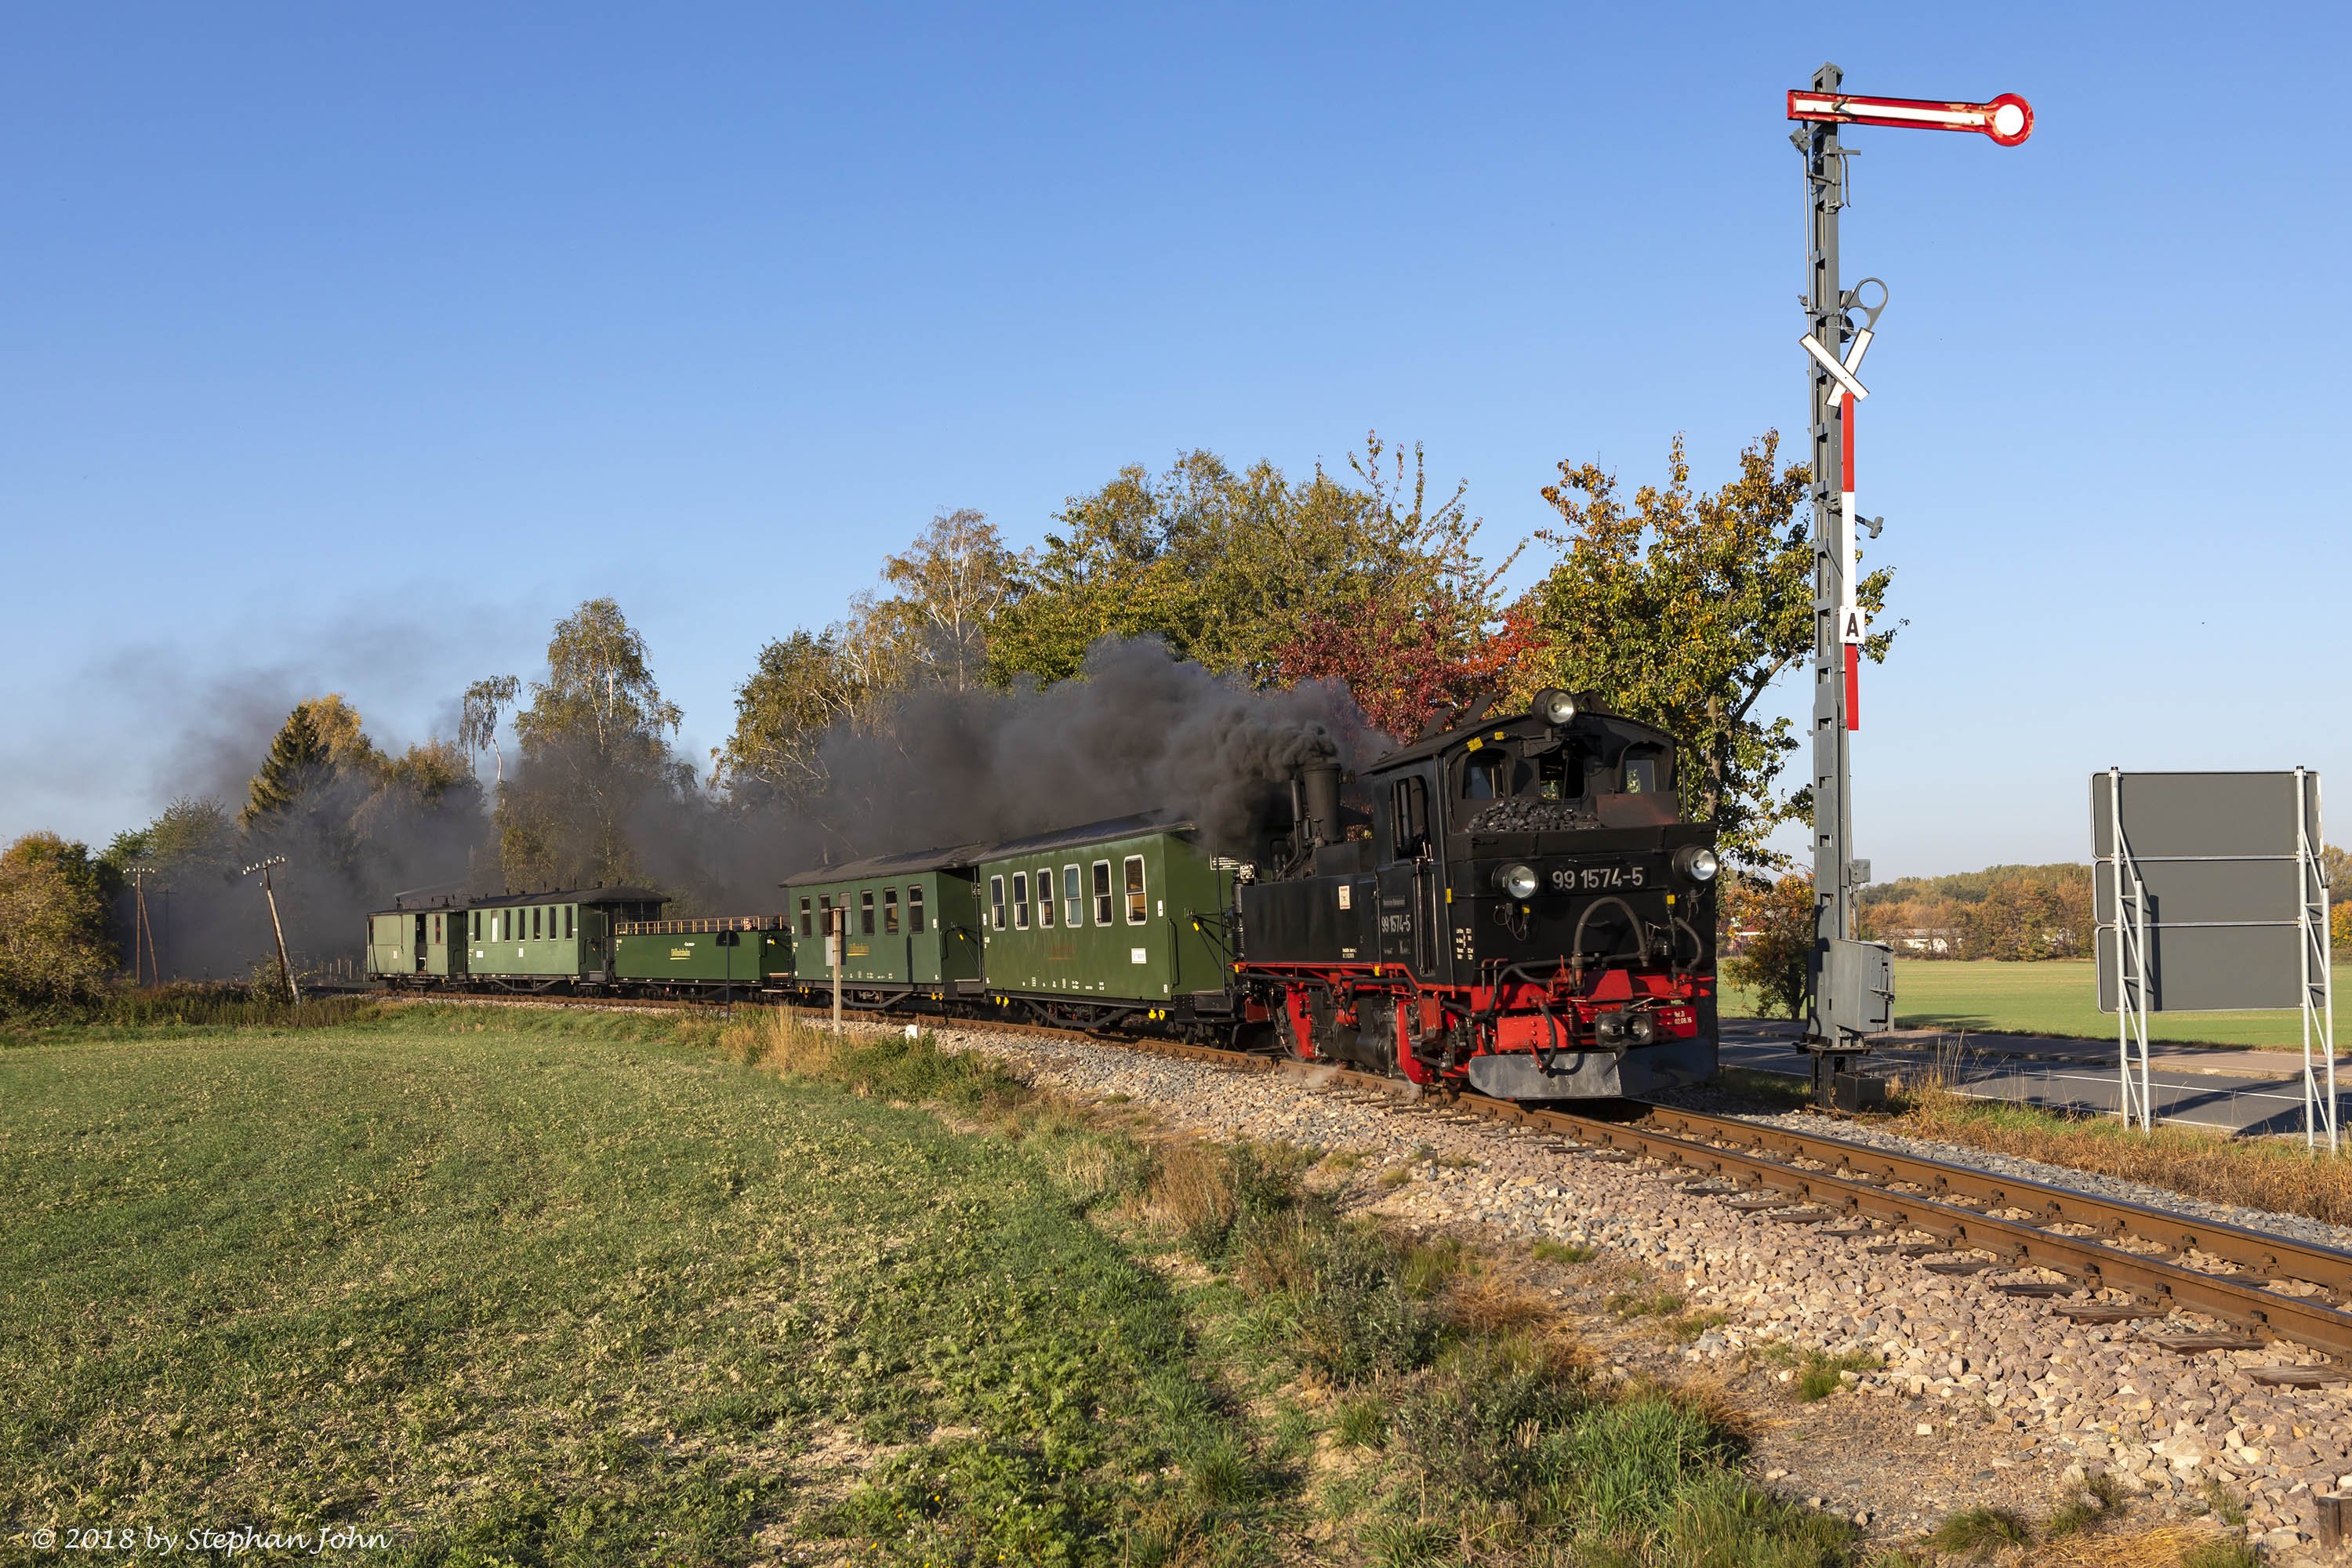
(2008, 119)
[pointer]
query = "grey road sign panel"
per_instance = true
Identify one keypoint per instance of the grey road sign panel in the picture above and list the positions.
(2211, 969)
(2205, 891)
(2208, 814)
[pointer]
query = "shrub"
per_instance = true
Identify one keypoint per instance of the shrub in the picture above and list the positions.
(53, 945)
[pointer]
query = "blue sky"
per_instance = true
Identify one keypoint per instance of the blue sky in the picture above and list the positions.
(348, 350)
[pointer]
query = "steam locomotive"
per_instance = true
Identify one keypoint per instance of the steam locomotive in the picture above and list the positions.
(1513, 905)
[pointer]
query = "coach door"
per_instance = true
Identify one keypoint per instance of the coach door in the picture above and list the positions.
(420, 944)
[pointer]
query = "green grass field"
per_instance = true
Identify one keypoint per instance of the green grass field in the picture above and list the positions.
(1986, 996)
(521, 1290)
(552, 1291)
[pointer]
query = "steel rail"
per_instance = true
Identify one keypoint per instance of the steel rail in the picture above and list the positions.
(2256, 1253)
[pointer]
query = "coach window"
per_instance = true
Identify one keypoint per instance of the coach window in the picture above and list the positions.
(915, 910)
(889, 911)
(477, 926)
(805, 922)
(865, 912)
(1139, 909)
(534, 922)
(1102, 892)
(996, 903)
(1044, 895)
(1073, 908)
(1020, 900)
(567, 920)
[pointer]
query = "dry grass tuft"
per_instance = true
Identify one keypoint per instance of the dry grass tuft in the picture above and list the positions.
(2166, 1546)
(1192, 1192)
(774, 1038)
(2264, 1174)
(1486, 1303)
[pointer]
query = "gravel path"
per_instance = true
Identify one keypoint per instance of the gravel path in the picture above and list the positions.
(1957, 1353)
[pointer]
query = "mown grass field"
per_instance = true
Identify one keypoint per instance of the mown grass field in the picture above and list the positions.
(519, 1288)
(2058, 998)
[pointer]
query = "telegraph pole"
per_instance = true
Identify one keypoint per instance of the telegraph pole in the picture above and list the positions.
(285, 969)
(1849, 990)
(142, 930)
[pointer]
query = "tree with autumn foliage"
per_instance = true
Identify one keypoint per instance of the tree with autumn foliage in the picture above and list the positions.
(1418, 640)
(1682, 609)
(1769, 933)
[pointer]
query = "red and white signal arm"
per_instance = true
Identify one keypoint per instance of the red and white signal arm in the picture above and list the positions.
(2008, 119)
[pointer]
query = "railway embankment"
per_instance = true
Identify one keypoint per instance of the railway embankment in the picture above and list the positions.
(1953, 1394)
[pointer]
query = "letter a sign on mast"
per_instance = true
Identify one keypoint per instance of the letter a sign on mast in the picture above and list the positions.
(1850, 996)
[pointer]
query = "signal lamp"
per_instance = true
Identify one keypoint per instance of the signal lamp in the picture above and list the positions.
(1554, 706)
(1698, 862)
(1516, 879)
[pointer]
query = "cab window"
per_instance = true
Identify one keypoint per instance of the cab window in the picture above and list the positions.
(1409, 817)
(1640, 776)
(1486, 775)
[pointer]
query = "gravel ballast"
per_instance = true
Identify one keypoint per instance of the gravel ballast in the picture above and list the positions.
(2095, 1398)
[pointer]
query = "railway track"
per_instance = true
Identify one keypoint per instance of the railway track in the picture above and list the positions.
(2265, 1285)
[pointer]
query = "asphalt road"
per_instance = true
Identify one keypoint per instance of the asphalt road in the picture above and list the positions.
(2221, 1087)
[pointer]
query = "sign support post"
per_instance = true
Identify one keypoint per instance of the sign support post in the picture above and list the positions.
(1848, 989)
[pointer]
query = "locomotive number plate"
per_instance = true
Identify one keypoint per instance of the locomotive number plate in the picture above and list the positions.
(1597, 878)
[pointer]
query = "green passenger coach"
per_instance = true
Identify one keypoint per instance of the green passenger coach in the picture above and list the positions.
(1092, 925)
(409, 948)
(538, 942)
(913, 931)
(726, 954)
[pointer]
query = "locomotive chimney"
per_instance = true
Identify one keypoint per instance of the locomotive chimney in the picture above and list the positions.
(1322, 789)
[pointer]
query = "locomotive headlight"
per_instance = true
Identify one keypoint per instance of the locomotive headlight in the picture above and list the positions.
(1698, 862)
(1517, 880)
(1554, 706)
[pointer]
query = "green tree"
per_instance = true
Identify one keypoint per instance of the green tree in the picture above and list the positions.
(1769, 927)
(53, 941)
(801, 686)
(1228, 568)
(598, 688)
(485, 704)
(1682, 609)
(298, 759)
(593, 745)
(954, 580)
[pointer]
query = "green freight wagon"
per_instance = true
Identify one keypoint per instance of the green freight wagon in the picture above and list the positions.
(412, 948)
(913, 928)
(539, 942)
(1090, 926)
(724, 954)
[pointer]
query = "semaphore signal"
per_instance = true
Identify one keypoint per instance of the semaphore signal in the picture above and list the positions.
(1849, 982)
